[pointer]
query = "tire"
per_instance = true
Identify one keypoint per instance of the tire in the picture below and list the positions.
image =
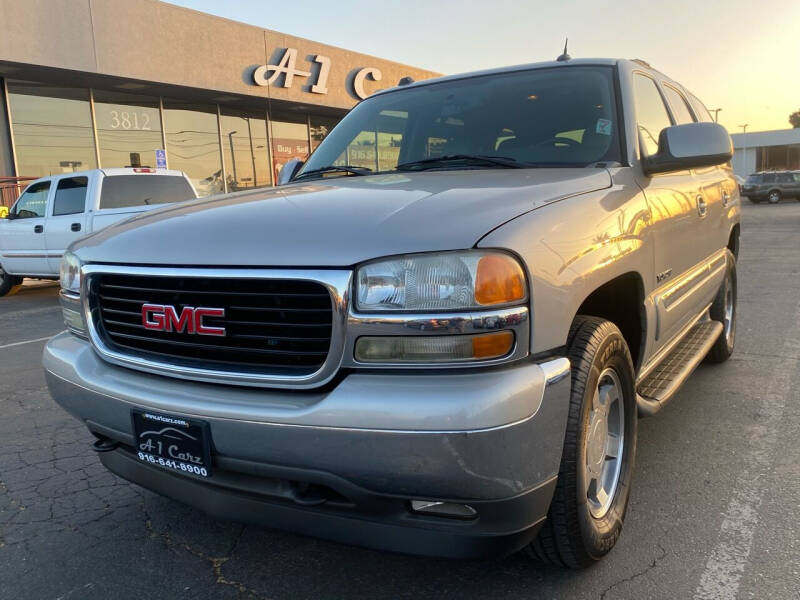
(774, 196)
(577, 532)
(7, 282)
(723, 309)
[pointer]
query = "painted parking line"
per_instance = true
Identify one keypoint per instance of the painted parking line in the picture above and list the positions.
(727, 562)
(44, 339)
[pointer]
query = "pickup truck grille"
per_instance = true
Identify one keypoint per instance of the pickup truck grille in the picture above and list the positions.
(271, 326)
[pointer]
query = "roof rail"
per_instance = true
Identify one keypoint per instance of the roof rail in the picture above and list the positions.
(644, 63)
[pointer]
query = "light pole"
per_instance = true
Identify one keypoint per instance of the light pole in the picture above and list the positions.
(716, 114)
(744, 146)
(233, 156)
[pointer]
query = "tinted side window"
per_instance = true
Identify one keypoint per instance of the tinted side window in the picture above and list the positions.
(796, 177)
(679, 106)
(769, 178)
(701, 111)
(70, 196)
(33, 202)
(121, 191)
(784, 178)
(651, 114)
(753, 179)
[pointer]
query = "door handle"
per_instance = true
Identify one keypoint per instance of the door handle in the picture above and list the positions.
(38, 228)
(702, 207)
(75, 227)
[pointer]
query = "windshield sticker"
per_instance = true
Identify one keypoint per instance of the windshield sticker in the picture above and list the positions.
(603, 127)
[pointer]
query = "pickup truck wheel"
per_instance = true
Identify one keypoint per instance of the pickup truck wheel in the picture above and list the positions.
(7, 282)
(594, 479)
(723, 310)
(774, 197)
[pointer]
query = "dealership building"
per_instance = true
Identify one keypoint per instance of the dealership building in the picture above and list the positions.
(114, 83)
(776, 150)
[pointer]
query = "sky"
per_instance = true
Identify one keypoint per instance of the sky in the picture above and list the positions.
(742, 56)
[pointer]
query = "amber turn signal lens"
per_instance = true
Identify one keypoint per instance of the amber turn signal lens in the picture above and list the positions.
(499, 280)
(492, 345)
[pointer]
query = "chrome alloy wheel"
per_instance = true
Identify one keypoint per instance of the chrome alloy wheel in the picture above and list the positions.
(729, 323)
(605, 439)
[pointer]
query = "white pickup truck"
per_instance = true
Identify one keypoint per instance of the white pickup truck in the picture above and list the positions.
(55, 211)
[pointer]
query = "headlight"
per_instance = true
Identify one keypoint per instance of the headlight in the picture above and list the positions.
(70, 273)
(70, 278)
(441, 281)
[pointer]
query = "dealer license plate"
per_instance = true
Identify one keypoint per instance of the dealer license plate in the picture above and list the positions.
(172, 442)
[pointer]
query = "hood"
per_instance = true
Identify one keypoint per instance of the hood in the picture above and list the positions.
(336, 222)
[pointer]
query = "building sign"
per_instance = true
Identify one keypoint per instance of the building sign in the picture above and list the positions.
(266, 75)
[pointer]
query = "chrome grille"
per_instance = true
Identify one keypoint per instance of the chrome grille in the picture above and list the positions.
(272, 326)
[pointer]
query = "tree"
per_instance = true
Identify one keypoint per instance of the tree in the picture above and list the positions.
(794, 119)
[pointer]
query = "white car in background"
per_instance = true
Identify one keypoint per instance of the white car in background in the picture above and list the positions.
(55, 211)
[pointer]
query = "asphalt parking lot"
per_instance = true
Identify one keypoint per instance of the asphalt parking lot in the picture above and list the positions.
(712, 514)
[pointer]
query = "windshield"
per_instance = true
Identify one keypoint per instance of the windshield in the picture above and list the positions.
(546, 117)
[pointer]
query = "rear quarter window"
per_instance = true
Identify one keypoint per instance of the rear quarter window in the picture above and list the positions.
(122, 191)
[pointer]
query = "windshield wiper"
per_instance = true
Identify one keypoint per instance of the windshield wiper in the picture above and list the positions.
(426, 163)
(335, 168)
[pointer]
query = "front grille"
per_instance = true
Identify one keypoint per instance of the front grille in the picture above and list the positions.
(272, 326)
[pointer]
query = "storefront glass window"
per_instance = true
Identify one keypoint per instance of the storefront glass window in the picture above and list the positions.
(52, 128)
(128, 129)
(244, 147)
(193, 144)
(289, 139)
(321, 127)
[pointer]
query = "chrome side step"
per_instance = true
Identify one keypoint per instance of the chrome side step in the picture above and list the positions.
(663, 382)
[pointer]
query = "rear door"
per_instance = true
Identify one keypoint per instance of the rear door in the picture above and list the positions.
(715, 185)
(23, 241)
(673, 214)
(66, 221)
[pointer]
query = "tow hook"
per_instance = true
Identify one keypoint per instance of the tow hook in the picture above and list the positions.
(104, 444)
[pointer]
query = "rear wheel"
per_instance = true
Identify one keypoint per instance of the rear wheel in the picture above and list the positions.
(723, 310)
(594, 480)
(774, 197)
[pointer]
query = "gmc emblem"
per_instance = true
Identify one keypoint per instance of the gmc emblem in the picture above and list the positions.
(160, 317)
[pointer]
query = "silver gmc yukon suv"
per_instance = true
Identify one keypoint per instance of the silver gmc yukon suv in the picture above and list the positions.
(436, 338)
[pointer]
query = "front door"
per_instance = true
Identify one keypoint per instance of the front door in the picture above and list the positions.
(23, 244)
(66, 221)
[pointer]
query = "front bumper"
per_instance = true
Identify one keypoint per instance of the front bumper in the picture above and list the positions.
(343, 463)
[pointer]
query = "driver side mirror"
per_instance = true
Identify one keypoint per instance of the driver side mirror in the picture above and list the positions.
(690, 146)
(289, 170)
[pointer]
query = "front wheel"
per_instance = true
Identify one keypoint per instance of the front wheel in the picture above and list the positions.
(723, 309)
(7, 282)
(594, 479)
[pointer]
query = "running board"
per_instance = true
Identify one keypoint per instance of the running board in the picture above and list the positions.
(663, 383)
